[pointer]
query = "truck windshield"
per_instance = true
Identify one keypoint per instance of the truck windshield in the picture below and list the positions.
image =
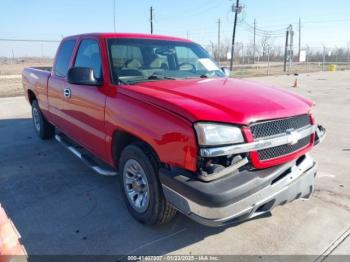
(141, 60)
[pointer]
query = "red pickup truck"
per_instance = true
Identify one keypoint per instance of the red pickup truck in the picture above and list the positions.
(180, 133)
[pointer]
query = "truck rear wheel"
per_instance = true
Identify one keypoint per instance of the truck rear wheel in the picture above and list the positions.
(142, 192)
(42, 127)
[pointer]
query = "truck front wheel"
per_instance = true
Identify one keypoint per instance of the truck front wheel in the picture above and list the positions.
(42, 127)
(141, 189)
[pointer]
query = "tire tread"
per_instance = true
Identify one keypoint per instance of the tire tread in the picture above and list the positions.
(47, 130)
(164, 212)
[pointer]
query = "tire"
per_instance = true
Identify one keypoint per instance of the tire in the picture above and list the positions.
(157, 209)
(42, 127)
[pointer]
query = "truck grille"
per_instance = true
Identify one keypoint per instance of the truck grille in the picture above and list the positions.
(280, 126)
(273, 152)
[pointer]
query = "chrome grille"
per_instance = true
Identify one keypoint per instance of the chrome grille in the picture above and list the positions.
(273, 152)
(279, 126)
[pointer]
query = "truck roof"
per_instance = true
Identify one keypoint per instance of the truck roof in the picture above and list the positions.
(130, 35)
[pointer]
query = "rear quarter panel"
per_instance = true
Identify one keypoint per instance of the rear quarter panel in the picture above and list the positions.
(36, 80)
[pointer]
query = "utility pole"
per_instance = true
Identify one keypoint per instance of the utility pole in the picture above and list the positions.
(299, 38)
(42, 52)
(286, 51)
(336, 55)
(13, 56)
(212, 48)
(254, 41)
(268, 59)
(307, 58)
(242, 53)
(324, 57)
(151, 19)
(291, 53)
(235, 9)
(114, 26)
(219, 49)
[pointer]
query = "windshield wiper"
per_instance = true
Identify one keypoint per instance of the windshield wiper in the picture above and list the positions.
(159, 77)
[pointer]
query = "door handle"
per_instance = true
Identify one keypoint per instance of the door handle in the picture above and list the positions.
(67, 92)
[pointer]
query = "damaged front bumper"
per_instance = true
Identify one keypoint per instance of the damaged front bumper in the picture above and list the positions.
(320, 134)
(241, 196)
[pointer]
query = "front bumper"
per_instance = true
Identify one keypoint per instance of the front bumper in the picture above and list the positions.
(241, 196)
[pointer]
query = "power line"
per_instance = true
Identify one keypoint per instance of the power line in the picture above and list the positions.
(29, 40)
(260, 31)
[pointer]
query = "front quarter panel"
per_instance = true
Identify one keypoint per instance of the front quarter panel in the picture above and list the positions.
(171, 136)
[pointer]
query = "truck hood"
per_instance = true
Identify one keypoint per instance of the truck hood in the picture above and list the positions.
(220, 99)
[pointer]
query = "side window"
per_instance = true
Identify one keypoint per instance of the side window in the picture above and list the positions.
(63, 58)
(89, 56)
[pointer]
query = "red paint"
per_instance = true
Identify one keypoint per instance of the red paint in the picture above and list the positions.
(220, 100)
(160, 113)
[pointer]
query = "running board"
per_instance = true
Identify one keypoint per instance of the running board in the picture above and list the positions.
(103, 170)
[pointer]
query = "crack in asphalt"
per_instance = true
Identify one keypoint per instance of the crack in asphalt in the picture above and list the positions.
(333, 246)
(319, 196)
(332, 193)
(343, 236)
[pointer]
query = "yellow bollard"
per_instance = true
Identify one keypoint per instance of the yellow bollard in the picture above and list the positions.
(332, 68)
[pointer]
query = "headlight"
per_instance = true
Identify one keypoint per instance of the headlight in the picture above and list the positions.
(210, 134)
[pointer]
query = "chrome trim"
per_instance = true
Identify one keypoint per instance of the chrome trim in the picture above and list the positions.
(289, 137)
(67, 92)
(98, 169)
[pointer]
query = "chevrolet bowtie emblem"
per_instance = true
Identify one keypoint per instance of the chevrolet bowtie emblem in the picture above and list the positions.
(293, 136)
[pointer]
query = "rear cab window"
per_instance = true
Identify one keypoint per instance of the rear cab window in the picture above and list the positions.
(63, 58)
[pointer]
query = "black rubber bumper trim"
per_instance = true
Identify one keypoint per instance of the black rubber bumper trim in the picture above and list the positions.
(221, 192)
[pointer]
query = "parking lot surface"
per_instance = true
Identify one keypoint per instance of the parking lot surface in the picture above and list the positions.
(60, 206)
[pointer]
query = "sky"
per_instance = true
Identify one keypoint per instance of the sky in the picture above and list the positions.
(323, 22)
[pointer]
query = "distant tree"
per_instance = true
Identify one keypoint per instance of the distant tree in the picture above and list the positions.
(265, 43)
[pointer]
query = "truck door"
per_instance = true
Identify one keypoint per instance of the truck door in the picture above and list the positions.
(57, 82)
(84, 106)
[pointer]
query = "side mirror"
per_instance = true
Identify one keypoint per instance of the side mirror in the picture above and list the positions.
(82, 76)
(226, 71)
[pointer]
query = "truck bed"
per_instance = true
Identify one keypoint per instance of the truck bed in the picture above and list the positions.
(44, 68)
(35, 79)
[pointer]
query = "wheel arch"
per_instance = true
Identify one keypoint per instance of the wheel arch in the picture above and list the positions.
(31, 96)
(121, 139)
